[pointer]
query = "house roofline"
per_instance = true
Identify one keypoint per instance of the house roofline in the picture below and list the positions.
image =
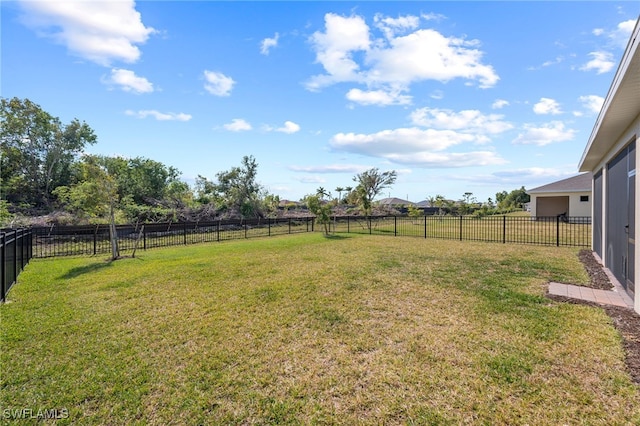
(589, 159)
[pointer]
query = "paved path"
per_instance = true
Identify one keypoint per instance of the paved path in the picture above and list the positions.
(616, 297)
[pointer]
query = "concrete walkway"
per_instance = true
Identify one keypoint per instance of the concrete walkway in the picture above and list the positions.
(603, 297)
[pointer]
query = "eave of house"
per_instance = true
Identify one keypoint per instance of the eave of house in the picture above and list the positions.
(621, 106)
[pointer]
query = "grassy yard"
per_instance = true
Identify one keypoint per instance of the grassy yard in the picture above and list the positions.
(310, 330)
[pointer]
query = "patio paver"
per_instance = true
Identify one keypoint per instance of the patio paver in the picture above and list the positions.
(604, 297)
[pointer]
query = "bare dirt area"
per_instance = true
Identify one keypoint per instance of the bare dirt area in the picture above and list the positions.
(626, 321)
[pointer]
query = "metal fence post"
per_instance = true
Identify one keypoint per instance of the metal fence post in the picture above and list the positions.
(504, 229)
(425, 226)
(348, 225)
(144, 238)
(218, 230)
(370, 227)
(289, 225)
(395, 226)
(557, 231)
(269, 225)
(460, 227)
(184, 232)
(3, 259)
(15, 256)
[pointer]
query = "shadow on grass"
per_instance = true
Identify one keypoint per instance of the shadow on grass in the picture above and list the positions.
(81, 270)
(337, 237)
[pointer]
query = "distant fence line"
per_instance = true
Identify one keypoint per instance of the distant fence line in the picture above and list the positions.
(555, 230)
(15, 253)
(94, 239)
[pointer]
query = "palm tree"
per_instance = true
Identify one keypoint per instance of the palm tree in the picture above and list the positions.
(339, 191)
(322, 193)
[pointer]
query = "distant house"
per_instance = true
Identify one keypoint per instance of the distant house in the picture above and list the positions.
(571, 196)
(611, 156)
(394, 202)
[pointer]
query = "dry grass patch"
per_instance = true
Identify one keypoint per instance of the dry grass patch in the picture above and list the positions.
(306, 329)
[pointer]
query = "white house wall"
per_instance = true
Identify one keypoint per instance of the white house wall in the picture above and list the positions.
(576, 207)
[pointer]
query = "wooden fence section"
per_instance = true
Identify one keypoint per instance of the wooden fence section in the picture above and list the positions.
(15, 253)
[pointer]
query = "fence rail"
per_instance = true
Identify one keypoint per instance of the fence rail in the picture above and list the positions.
(554, 230)
(94, 239)
(15, 253)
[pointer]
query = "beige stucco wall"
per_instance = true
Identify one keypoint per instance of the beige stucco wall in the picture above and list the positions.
(576, 207)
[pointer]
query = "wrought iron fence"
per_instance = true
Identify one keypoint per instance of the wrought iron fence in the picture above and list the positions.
(18, 246)
(554, 230)
(15, 253)
(94, 239)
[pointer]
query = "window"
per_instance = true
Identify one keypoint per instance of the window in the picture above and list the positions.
(584, 198)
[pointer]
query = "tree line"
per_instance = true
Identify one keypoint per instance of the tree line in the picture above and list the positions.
(44, 169)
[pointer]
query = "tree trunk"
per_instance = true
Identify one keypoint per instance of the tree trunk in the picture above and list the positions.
(113, 235)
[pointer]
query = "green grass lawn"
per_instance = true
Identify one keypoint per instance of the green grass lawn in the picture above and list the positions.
(310, 330)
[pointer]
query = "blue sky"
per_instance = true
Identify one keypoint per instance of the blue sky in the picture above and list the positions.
(455, 96)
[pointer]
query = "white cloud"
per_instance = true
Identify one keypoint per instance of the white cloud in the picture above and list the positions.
(391, 26)
(592, 103)
(622, 33)
(499, 104)
(349, 53)
(268, 43)
(237, 125)
(217, 83)
(311, 179)
(378, 97)
(469, 121)
(160, 116)
(547, 106)
(530, 176)
(423, 148)
(437, 94)
(546, 134)
(334, 48)
(334, 168)
(443, 160)
(289, 127)
(101, 32)
(602, 62)
(128, 81)
(619, 36)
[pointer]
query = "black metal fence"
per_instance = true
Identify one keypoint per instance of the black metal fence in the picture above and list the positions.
(18, 246)
(555, 230)
(15, 252)
(94, 239)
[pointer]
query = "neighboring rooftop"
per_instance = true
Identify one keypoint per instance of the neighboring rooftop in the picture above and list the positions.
(580, 183)
(394, 202)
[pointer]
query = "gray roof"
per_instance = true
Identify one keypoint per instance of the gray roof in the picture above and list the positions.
(394, 202)
(580, 183)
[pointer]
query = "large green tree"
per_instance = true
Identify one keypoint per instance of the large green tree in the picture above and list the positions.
(239, 190)
(37, 151)
(95, 195)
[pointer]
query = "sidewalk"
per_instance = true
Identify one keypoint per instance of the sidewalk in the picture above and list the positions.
(616, 297)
